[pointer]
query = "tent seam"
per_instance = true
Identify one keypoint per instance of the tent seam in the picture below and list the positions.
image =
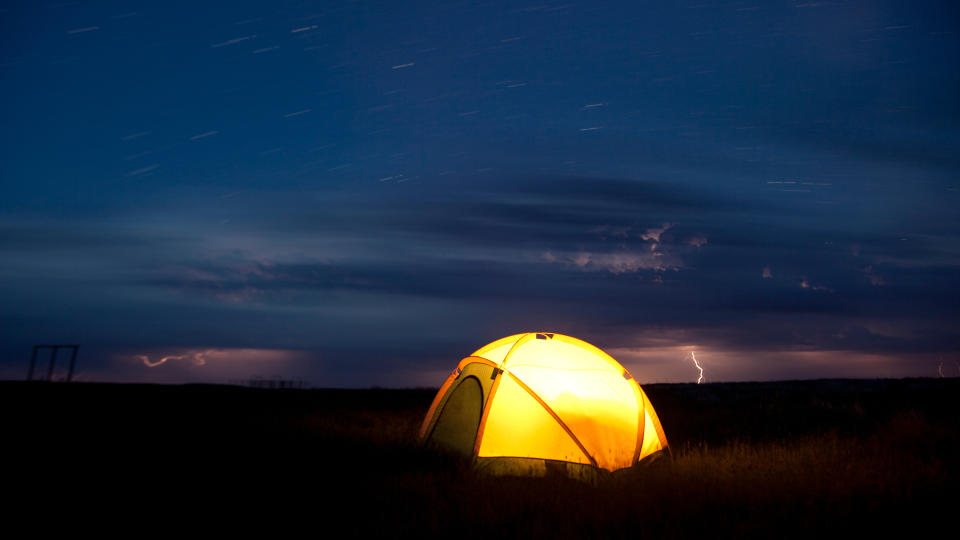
(493, 393)
(641, 420)
(555, 417)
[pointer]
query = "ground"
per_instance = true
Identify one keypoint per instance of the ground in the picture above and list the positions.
(777, 459)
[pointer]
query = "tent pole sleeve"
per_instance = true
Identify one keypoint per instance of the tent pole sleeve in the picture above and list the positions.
(641, 424)
(486, 411)
(555, 417)
(523, 339)
(493, 391)
(436, 401)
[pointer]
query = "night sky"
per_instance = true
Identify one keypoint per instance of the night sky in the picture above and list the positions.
(362, 193)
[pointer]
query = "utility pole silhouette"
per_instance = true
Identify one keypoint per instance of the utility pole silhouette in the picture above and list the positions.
(53, 361)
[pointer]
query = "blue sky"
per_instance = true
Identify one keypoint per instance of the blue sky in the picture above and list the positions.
(358, 193)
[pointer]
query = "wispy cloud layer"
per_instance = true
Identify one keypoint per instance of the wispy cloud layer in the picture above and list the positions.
(384, 190)
(609, 260)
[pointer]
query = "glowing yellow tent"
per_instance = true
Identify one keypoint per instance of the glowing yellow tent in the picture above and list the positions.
(539, 402)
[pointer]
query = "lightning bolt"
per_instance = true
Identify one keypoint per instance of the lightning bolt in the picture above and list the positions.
(940, 369)
(693, 356)
(146, 360)
(198, 358)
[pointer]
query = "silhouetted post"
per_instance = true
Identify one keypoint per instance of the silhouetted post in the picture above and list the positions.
(33, 362)
(73, 362)
(53, 362)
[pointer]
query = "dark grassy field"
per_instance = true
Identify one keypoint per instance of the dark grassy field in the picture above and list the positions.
(772, 460)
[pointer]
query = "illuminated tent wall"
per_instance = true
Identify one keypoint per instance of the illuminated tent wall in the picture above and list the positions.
(538, 402)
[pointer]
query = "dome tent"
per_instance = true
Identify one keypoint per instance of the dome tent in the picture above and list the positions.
(534, 403)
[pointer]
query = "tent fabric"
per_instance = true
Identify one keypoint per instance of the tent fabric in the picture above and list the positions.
(534, 402)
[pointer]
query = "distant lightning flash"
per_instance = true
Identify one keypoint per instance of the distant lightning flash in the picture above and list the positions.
(198, 359)
(146, 360)
(693, 355)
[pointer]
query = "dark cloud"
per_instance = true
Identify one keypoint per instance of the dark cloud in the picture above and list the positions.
(774, 187)
(499, 257)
